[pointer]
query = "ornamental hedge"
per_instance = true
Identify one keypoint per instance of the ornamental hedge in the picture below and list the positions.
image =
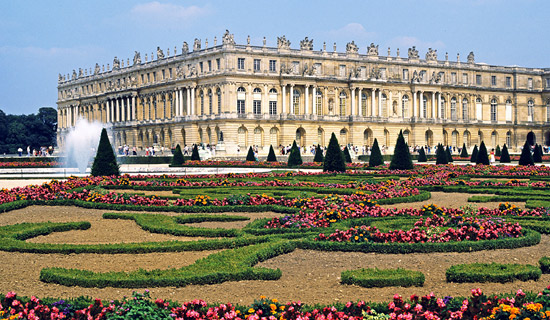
(492, 272)
(374, 277)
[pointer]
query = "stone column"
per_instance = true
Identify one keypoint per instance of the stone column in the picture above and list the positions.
(180, 93)
(248, 99)
(133, 108)
(359, 104)
(306, 107)
(128, 115)
(415, 109)
(188, 109)
(265, 100)
(353, 106)
(284, 98)
(438, 105)
(433, 105)
(326, 99)
(193, 100)
(108, 111)
(373, 103)
(177, 101)
(117, 111)
(314, 100)
(291, 100)
(421, 111)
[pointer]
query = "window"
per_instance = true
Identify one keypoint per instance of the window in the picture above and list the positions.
(272, 65)
(342, 71)
(384, 105)
(148, 78)
(383, 73)
(404, 106)
(218, 64)
(453, 77)
(343, 97)
(209, 65)
(530, 110)
(210, 103)
(453, 109)
(508, 138)
(201, 67)
(241, 95)
(465, 109)
(364, 104)
(530, 83)
(154, 76)
(425, 107)
(508, 82)
(319, 103)
(296, 102)
(548, 110)
(478, 79)
(317, 69)
(272, 101)
(479, 109)
(257, 64)
(295, 67)
(405, 74)
(493, 80)
(547, 83)
(464, 78)
(202, 102)
(422, 75)
(442, 108)
(163, 74)
(257, 101)
(508, 110)
(170, 72)
(240, 63)
(219, 94)
(493, 109)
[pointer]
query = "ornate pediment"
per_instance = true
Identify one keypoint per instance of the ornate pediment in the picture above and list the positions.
(372, 50)
(431, 55)
(306, 44)
(413, 53)
(283, 43)
(228, 38)
(352, 48)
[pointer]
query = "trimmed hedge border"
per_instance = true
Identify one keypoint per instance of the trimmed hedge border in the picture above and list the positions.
(544, 263)
(492, 272)
(379, 278)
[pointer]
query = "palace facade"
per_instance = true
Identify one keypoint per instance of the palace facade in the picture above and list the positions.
(231, 96)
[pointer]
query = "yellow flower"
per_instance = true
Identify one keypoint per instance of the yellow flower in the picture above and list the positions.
(262, 297)
(274, 300)
(251, 310)
(273, 307)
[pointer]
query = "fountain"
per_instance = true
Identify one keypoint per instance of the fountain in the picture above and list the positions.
(81, 144)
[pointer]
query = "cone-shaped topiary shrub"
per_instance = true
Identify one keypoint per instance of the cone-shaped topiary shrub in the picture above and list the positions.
(195, 154)
(422, 155)
(250, 155)
(537, 154)
(401, 158)
(504, 155)
(441, 155)
(498, 152)
(449, 155)
(474, 154)
(347, 156)
(318, 154)
(271, 155)
(177, 158)
(334, 159)
(294, 158)
(482, 156)
(105, 160)
(375, 158)
(526, 159)
(464, 152)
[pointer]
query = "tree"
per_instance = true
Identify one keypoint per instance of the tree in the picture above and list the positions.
(294, 159)
(482, 156)
(441, 155)
(498, 152)
(347, 156)
(526, 159)
(537, 154)
(422, 155)
(250, 155)
(474, 154)
(105, 160)
(334, 159)
(177, 158)
(318, 154)
(464, 152)
(401, 158)
(375, 158)
(195, 154)
(449, 155)
(271, 155)
(504, 156)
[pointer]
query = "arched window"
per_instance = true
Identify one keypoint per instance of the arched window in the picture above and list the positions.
(479, 110)
(494, 139)
(466, 138)
(343, 97)
(257, 101)
(508, 139)
(219, 94)
(530, 110)
(405, 106)
(241, 97)
(210, 102)
(296, 102)
(453, 109)
(273, 101)
(202, 102)
(319, 103)
(465, 109)
(493, 110)
(508, 110)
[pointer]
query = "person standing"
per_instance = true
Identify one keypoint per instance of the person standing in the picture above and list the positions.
(20, 151)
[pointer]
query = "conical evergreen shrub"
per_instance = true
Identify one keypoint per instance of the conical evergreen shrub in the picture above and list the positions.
(177, 158)
(498, 152)
(422, 155)
(482, 156)
(375, 158)
(464, 152)
(347, 156)
(195, 154)
(441, 155)
(449, 155)
(526, 159)
(334, 159)
(250, 155)
(473, 158)
(271, 155)
(504, 156)
(294, 158)
(537, 154)
(105, 160)
(318, 154)
(401, 158)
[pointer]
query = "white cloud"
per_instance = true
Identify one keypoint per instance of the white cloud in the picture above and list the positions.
(159, 13)
(353, 31)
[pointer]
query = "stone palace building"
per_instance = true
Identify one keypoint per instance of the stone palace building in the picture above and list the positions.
(231, 96)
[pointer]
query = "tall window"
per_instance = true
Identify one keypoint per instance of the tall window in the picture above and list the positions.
(384, 105)
(343, 97)
(319, 103)
(425, 107)
(404, 106)
(405, 74)
(240, 63)
(479, 109)
(530, 83)
(465, 109)
(508, 82)
(453, 109)
(210, 106)
(453, 77)
(257, 101)
(273, 101)
(342, 71)
(478, 79)
(296, 102)
(364, 104)
(508, 110)
(202, 102)
(548, 110)
(464, 78)
(508, 139)
(530, 110)
(493, 110)
(241, 96)
(219, 94)
(218, 64)
(272, 65)
(493, 80)
(257, 64)
(442, 108)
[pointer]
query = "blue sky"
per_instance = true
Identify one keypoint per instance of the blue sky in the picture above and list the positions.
(39, 39)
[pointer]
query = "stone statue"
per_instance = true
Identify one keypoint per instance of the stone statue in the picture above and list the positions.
(351, 47)
(372, 50)
(196, 45)
(334, 47)
(192, 71)
(324, 46)
(306, 44)
(264, 42)
(80, 74)
(415, 78)
(185, 48)
(285, 69)
(375, 73)
(60, 78)
(248, 40)
(228, 38)
(215, 41)
(137, 58)
(389, 52)
(398, 52)
(283, 43)
(446, 56)
(168, 52)
(431, 55)
(116, 64)
(458, 57)
(206, 43)
(179, 72)
(160, 54)
(471, 58)
(413, 53)
(97, 69)
(133, 81)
